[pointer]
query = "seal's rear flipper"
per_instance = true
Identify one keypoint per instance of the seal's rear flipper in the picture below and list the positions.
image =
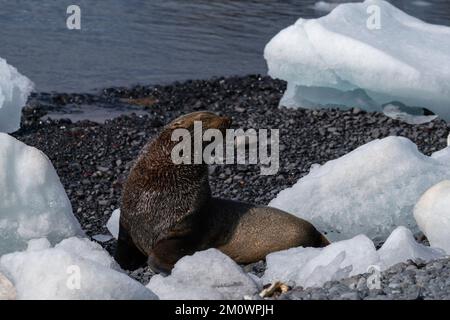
(127, 255)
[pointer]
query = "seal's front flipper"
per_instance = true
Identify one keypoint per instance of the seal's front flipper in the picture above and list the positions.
(127, 255)
(158, 267)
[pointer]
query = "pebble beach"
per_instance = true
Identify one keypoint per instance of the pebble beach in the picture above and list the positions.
(93, 159)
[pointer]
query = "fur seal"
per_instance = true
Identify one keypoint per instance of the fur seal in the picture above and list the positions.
(168, 212)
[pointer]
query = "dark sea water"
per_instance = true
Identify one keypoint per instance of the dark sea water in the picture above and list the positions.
(126, 42)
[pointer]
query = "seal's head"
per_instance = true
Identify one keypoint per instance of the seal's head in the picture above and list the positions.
(209, 120)
(189, 128)
(160, 193)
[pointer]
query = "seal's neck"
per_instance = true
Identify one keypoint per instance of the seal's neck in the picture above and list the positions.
(157, 160)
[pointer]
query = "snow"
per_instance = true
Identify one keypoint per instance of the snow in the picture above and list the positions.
(74, 269)
(7, 290)
(206, 275)
(370, 191)
(33, 203)
(312, 267)
(113, 223)
(432, 214)
(353, 48)
(14, 91)
(401, 246)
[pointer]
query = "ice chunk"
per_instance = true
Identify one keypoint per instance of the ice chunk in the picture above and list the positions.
(432, 214)
(444, 154)
(401, 246)
(33, 203)
(113, 223)
(38, 244)
(74, 269)
(102, 237)
(325, 6)
(14, 91)
(7, 290)
(372, 46)
(395, 112)
(421, 3)
(312, 267)
(206, 275)
(370, 190)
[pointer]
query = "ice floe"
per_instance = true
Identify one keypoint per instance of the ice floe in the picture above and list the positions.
(401, 246)
(206, 275)
(312, 267)
(33, 202)
(370, 190)
(73, 269)
(14, 91)
(372, 46)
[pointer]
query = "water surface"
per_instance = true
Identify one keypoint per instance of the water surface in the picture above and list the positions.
(126, 42)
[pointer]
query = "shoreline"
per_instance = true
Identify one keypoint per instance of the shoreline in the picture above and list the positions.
(92, 160)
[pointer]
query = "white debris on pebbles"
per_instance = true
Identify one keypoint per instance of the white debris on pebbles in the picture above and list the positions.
(74, 269)
(350, 49)
(33, 203)
(14, 91)
(432, 214)
(206, 275)
(370, 190)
